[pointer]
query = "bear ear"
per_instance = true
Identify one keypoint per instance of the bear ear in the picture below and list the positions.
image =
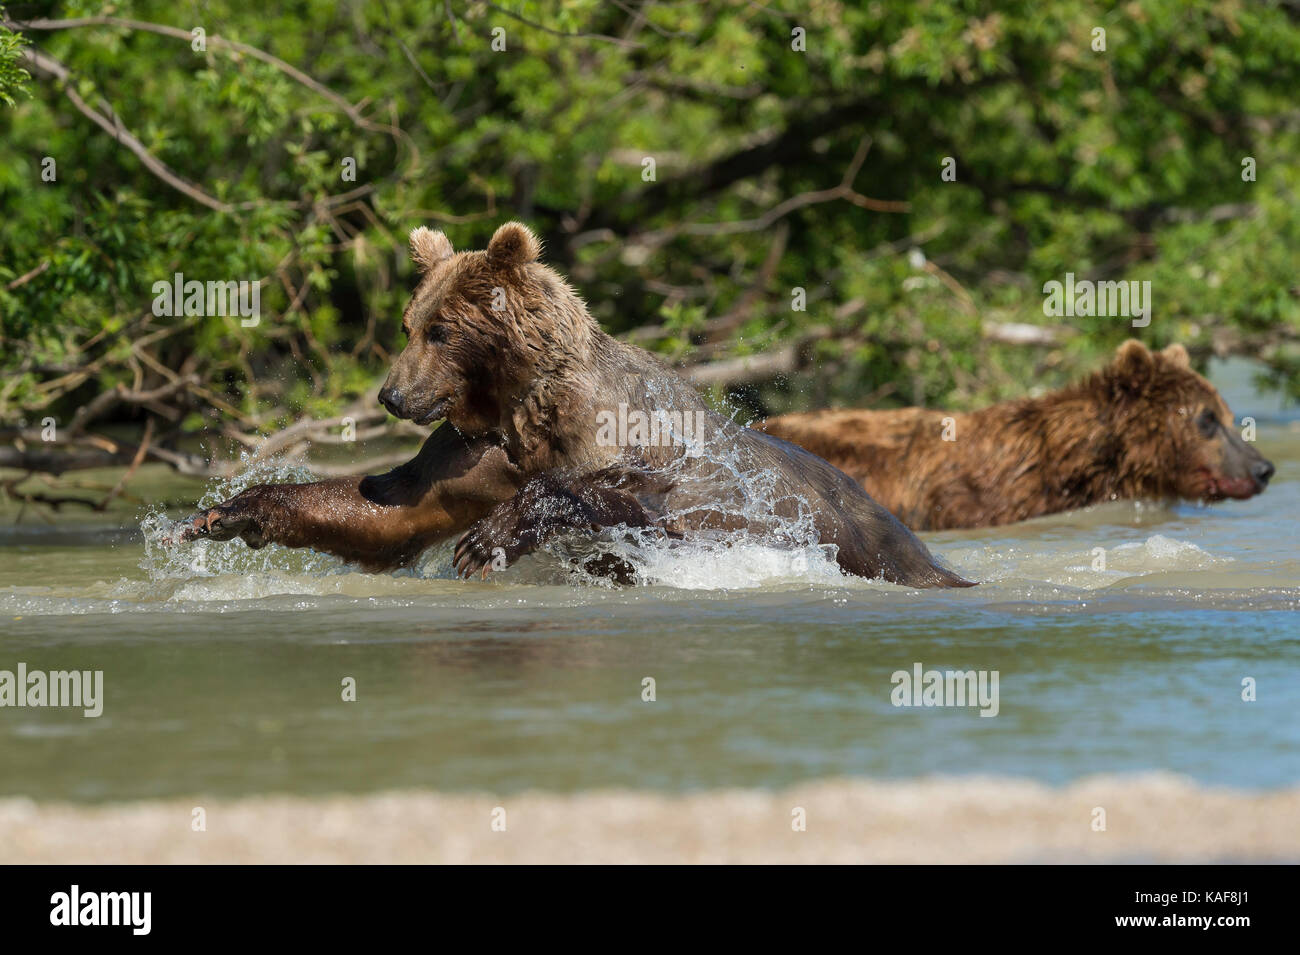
(513, 245)
(1177, 355)
(1133, 363)
(428, 248)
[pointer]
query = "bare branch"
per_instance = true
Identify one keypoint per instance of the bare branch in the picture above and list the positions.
(27, 276)
(84, 454)
(1020, 333)
(748, 368)
(212, 40)
(140, 453)
(113, 126)
(617, 41)
(123, 395)
(844, 191)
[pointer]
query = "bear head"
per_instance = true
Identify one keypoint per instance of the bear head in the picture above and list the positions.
(1178, 435)
(485, 330)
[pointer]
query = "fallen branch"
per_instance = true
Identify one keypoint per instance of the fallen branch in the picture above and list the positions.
(796, 357)
(747, 369)
(88, 453)
(1020, 333)
(751, 369)
(53, 501)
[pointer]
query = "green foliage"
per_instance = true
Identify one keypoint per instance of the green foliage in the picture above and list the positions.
(13, 78)
(1122, 163)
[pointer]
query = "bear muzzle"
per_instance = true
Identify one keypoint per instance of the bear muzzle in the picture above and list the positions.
(393, 400)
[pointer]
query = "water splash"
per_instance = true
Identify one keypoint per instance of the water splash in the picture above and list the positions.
(163, 561)
(778, 541)
(705, 562)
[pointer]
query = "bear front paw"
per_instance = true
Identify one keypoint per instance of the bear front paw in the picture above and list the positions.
(228, 520)
(480, 550)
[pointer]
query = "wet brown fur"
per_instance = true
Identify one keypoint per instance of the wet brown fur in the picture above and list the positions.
(1137, 429)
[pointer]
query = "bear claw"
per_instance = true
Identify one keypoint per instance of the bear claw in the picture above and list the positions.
(468, 558)
(473, 555)
(219, 524)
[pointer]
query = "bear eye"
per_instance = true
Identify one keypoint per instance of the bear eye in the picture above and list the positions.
(436, 334)
(1208, 423)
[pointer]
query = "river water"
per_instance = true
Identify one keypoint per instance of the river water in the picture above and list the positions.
(227, 676)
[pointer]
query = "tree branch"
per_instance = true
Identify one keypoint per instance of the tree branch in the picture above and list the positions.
(113, 126)
(218, 42)
(617, 41)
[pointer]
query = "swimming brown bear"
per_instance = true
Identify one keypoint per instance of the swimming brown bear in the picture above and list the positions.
(553, 427)
(1146, 426)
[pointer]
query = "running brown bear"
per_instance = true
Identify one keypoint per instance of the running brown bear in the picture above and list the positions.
(552, 427)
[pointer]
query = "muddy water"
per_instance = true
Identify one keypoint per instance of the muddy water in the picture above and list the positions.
(225, 675)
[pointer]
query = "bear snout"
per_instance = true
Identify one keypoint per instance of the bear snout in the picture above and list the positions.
(393, 400)
(1262, 470)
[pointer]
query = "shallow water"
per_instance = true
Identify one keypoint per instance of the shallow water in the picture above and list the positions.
(224, 676)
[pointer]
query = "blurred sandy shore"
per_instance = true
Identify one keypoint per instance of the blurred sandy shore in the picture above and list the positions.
(1150, 818)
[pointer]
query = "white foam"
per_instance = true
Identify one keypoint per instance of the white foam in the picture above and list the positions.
(702, 563)
(1158, 553)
